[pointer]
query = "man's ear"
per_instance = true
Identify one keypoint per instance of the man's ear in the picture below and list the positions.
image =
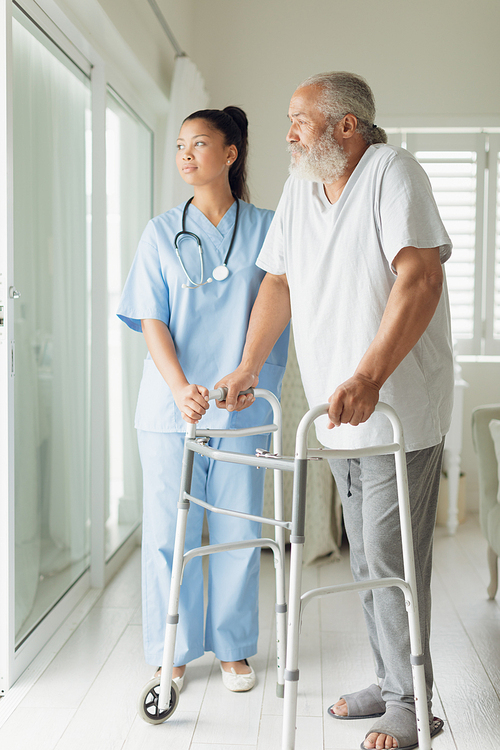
(349, 124)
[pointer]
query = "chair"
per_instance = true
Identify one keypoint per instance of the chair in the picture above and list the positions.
(489, 505)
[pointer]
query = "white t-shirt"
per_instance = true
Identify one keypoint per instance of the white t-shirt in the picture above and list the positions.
(337, 259)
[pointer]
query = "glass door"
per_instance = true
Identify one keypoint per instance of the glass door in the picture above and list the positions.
(76, 175)
(51, 158)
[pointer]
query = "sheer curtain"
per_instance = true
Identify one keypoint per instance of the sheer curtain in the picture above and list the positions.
(51, 98)
(187, 94)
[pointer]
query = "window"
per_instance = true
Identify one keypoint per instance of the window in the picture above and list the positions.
(51, 112)
(463, 169)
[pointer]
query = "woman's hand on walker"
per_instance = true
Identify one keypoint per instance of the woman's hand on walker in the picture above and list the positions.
(235, 382)
(192, 401)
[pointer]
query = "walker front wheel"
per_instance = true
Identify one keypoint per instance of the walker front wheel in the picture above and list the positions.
(148, 702)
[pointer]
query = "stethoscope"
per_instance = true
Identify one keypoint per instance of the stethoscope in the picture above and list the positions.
(220, 272)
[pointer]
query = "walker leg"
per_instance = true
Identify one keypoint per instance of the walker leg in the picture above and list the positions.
(176, 578)
(422, 714)
(281, 609)
(292, 650)
(281, 612)
(416, 655)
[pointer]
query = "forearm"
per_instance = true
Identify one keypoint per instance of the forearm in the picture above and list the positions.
(191, 399)
(270, 315)
(410, 308)
(162, 349)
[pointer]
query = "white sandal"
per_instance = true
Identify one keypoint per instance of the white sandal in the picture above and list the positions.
(238, 683)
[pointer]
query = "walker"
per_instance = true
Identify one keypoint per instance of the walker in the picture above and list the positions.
(160, 696)
(299, 601)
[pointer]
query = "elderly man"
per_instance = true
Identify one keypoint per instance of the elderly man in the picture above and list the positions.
(354, 255)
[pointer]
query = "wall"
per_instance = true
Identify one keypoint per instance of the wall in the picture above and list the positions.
(421, 57)
(433, 61)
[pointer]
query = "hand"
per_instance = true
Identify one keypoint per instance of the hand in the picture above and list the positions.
(239, 380)
(353, 402)
(192, 401)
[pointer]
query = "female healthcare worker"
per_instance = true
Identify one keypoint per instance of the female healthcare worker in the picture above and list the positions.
(190, 290)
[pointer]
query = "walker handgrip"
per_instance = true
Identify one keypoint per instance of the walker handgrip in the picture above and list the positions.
(220, 393)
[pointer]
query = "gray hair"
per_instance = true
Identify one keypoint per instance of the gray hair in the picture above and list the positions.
(347, 93)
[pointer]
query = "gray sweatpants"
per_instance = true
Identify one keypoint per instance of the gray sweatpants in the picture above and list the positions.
(371, 518)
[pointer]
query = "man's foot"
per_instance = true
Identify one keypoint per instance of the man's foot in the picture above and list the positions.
(397, 728)
(365, 704)
(339, 708)
(237, 676)
(379, 741)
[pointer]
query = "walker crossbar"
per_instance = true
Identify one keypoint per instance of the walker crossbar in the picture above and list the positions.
(298, 600)
(210, 549)
(267, 462)
(238, 432)
(373, 450)
(237, 514)
(341, 588)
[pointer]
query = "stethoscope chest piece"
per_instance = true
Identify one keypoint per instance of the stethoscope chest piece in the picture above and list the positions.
(220, 273)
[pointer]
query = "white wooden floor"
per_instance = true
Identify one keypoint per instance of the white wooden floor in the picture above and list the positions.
(86, 697)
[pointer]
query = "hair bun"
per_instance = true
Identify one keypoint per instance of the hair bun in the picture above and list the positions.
(239, 117)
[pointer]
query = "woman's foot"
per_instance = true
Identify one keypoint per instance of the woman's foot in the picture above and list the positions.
(237, 676)
(177, 675)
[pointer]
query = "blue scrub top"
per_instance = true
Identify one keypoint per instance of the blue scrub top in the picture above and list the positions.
(208, 325)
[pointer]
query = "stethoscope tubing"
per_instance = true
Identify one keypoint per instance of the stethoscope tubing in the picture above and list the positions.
(219, 273)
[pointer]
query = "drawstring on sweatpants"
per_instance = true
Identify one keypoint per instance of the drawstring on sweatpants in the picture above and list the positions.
(349, 493)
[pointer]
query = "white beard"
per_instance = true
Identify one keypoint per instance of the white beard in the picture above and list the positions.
(325, 161)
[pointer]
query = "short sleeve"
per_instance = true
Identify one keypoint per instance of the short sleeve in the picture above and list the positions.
(145, 294)
(408, 214)
(272, 255)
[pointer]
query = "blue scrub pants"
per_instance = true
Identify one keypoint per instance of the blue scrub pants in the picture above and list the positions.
(231, 630)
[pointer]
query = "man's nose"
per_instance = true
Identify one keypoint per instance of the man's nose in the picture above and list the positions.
(292, 135)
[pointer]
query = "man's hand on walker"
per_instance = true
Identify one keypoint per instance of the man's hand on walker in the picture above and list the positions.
(353, 402)
(235, 382)
(192, 401)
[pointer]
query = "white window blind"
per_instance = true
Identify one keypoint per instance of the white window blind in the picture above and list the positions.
(453, 176)
(464, 169)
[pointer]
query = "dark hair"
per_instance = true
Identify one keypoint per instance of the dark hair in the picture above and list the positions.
(232, 123)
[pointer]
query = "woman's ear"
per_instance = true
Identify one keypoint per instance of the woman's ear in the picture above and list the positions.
(232, 154)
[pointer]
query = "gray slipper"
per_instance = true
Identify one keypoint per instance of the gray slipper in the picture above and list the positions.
(400, 723)
(365, 704)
